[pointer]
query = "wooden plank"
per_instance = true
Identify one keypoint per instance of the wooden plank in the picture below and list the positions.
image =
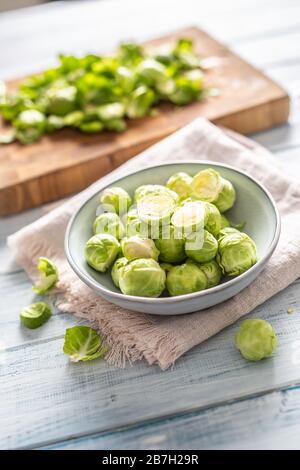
(54, 400)
(269, 422)
(67, 162)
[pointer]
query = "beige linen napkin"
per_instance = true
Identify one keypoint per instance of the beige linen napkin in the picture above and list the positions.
(158, 339)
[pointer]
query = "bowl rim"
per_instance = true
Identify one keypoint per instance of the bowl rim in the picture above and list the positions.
(184, 297)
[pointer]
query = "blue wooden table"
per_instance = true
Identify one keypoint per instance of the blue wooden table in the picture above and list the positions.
(212, 398)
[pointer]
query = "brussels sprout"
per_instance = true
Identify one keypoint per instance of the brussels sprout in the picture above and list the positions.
(48, 276)
(141, 100)
(30, 126)
(212, 221)
(117, 198)
(185, 279)
(61, 101)
(137, 247)
(152, 71)
(226, 197)
(115, 272)
(209, 186)
(237, 252)
(75, 118)
(189, 217)
(256, 339)
(153, 189)
(156, 209)
(142, 277)
(35, 315)
(91, 127)
(212, 272)
(171, 247)
(54, 123)
(106, 112)
(201, 247)
(181, 184)
(109, 223)
(227, 231)
(116, 125)
(101, 250)
(224, 222)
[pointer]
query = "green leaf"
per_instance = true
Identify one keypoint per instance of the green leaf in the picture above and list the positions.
(48, 276)
(35, 315)
(83, 343)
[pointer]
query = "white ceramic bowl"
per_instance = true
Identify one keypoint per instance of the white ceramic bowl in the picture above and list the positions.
(254, 205)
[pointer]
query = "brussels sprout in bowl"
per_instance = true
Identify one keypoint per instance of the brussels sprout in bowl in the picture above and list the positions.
(239, 260)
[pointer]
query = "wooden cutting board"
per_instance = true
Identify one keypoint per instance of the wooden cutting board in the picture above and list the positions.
(69, 161)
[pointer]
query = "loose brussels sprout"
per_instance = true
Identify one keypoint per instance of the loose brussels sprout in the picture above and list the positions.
(106, 112)
(156, 209)
(61, 101)
(117, 198)
(152, 71)
(137, 247)
(189, 217)
(92, 127)
(185, 279)
(256, 339)
(212, 221)
(74, 119)
(140, 103)
(171, 248)
(181, 184)
(209, 186)
(115, 272)
(101, 250)
(48, 276)
(224, 222)
(153, 189)
(30, 125)
(116, 125)
(212, 272)
(201, 247)
(237, 252)
(109, 222)
(142, 277)
(35, 315)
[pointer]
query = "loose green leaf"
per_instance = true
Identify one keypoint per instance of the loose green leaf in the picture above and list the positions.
(35, 315)
(48, 276)
(83, 343)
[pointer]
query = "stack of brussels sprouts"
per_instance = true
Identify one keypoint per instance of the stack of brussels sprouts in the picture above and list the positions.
(174, 237)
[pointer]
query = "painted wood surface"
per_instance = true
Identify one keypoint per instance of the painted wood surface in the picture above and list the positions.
(69, 161)
(45, 401)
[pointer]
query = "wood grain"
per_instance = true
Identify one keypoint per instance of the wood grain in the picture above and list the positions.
(68, 161)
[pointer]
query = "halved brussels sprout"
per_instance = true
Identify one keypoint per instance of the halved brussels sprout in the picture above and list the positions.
(115, 272)
(256, 339)
(180, 183)
(109, 111)
(189, 217)
(141, 100)
(237, 252)
(153, 189)
(152, 71)
(201, 247)
(171, 247)
(137, 247)
(156, 209)
(142, 277)
(101, 250)
(109, 222)
(61, 100)
(117, 198)
(212, 272)
(208, 185)
(185, 279)
(212, 221)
